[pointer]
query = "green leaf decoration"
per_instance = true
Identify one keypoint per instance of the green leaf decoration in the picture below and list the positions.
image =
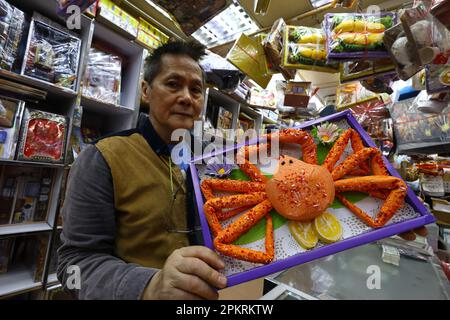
(322, 152)
(258, 231)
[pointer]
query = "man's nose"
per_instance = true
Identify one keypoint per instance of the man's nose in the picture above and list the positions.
(185, 96)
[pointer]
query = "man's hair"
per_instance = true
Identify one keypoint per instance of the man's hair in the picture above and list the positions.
(153, 62)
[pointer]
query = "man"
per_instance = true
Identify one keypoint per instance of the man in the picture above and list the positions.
(127, 206)
(128, 209)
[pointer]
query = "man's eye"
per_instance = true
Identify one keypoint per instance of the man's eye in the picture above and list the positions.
(197, 90)
(172, 84)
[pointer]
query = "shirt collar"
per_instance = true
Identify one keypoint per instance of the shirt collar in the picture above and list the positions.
(147, 130)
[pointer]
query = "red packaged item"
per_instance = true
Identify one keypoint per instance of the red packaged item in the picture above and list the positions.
(43, 136)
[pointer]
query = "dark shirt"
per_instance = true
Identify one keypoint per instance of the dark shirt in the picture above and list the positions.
(89, 223)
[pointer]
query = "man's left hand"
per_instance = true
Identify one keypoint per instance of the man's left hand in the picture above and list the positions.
(411, 235)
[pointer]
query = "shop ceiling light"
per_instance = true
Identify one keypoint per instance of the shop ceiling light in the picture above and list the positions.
(226, 26)
(261, 6)
(320, 3)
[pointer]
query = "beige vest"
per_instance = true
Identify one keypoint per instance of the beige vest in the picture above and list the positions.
(143, 198)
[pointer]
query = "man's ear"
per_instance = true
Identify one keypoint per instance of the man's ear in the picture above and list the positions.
(146, 90)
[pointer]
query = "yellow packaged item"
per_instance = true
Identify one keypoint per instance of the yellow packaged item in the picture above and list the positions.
(248, 56)
(304, 48)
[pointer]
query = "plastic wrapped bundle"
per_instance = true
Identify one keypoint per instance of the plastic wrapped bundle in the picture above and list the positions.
(12, 24)
(304, 48)
(364, 68)
(102, 79)
(43, 136)
(356, 35)
(52, 55)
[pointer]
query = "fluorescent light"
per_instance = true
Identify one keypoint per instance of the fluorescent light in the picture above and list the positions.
(161, 10)
(226, 26)
(319, 3)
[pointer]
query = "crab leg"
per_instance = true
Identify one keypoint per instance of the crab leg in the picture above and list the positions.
(239, 200)
(336, 152)
(395, 198)
(232, 232)
(356, 159)
(209, 185)
(300, 137)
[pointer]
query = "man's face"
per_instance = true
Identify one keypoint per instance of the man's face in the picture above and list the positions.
(176, 94)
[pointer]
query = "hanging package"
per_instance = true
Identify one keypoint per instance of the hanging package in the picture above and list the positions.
(356, 35)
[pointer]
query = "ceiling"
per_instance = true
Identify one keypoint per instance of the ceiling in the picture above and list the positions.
(286, 9)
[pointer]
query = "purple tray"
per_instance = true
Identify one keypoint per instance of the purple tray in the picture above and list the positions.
(425, 217)
(345, 56)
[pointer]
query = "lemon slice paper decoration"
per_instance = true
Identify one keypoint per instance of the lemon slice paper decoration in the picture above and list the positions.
(328, 227)
(304, 234)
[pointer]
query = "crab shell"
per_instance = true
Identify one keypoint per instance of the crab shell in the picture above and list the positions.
(300, 191)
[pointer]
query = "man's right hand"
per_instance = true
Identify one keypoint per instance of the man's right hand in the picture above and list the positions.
(189, 273)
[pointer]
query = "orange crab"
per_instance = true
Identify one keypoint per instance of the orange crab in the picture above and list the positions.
(299, 190)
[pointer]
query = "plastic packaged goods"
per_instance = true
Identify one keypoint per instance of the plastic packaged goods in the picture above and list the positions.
(248, 56)
(364, 68)
(356, 35)
(351, 94)
(370, 112)
(415, 129)
(102, 78)
(304, 48)
(52, 55)
(12, 24)
(379, 84)
(9, 127)
(43, 136)
(192, 14)
(400, 50)
(437, 74)
(428, 36)
(273, 47)
(117, 18)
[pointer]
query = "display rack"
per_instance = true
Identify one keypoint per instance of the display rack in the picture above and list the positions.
(106, 117)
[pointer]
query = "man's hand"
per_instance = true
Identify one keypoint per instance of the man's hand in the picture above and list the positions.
(189, 273)
(411, 235)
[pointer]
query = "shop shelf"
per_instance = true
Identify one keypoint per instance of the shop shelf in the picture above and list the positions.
(12, 229)
(16, 281)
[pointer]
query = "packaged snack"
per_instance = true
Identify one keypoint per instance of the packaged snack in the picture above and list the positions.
(9, 127)
(118, 19)
(415, 129)
(102, 78)
(12, 24)
(43, 136)
(364, 68)
(437, 73)
(273, 47)
(356, 35)
(428, 36)
(304, 48)
(400, 50)
(150, 36)
(52, 55)
(248, 56)
(352, 94)
(192, 14)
